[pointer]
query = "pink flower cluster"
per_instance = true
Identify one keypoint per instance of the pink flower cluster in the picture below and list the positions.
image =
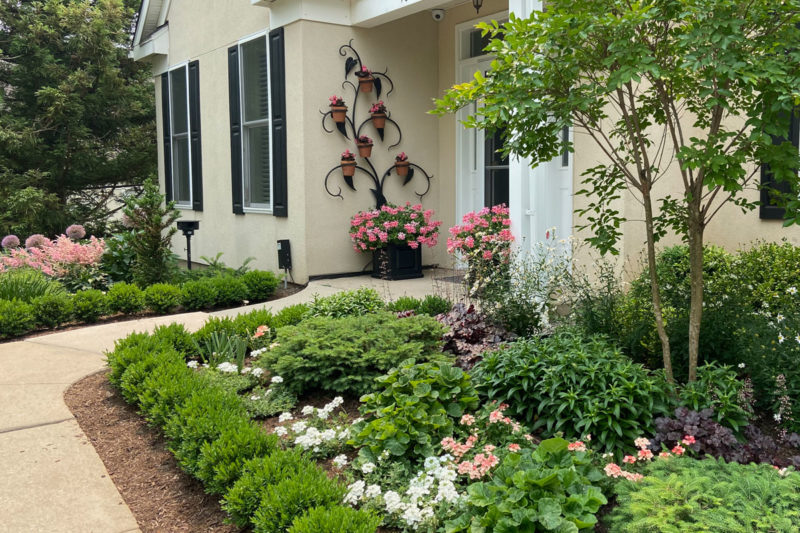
(458, 450)
(479, 466)
(408, 224)
(484, 235)
(54, 257)
(645, 454)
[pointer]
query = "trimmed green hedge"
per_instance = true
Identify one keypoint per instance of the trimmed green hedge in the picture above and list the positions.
(214, 440)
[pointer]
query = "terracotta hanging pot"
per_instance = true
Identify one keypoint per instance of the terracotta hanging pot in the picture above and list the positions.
(364, 150)
(365, 84)
(379, 120)
(348, 168)
(401, 167)
(339, 112)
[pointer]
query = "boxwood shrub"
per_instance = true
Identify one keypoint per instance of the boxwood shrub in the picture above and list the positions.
(198, 295)
(52, 310)
(89, 305)
(336, 519)
(345, 355)
(162, 298)
(230, 291)
(260, 284)
(125, 298)
(16, 318)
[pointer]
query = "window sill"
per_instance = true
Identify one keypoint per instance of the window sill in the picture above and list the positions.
(256, 210)
(184, 207)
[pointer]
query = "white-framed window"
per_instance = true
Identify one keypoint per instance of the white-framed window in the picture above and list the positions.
(254, 98)
(180, 145)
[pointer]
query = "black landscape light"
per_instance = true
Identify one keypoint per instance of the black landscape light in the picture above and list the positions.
(284, 258)
(188, 227)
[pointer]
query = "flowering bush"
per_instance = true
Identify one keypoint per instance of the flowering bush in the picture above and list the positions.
(54, 258)
(484, 241)
(402, 225)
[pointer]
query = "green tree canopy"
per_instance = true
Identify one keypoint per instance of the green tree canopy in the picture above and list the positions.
(76, 114)
(693, 91)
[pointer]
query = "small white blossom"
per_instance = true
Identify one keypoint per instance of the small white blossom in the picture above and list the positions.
(394, 503)
(276, 379)
(792, 290)
(340, 461)
(192, 364)
(742, 365)
(285, 417)
(308, 410)
(355, 493)
(777, 417)
(257, 372)
(227, 367)
(367, 468)
(299, 427)
(280, 431)
(373, 491)
(779, 317)
(328, 434)
(255, 397)
(781, 338)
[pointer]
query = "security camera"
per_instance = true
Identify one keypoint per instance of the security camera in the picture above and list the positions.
(437, 14)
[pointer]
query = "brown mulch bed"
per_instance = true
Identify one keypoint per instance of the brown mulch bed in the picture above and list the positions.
(162, 498)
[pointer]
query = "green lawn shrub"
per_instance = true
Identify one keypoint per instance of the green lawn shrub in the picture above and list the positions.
(291, 497)
(198, 295)
(230, 291)
(429, 305)
(413, 409)
(546, 489)
(52, 310)
(347, 303)
(25, 284)
(244, 497)
(290, 316)
(684, 494)
(345, 355)
(336, 519)
(125, 298)
(162, 298)
(16, 318)
(576, 385)
(261, 284)
(89, 305)
(178, 337)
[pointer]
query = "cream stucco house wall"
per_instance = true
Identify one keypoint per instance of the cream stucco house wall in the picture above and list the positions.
(196, 46)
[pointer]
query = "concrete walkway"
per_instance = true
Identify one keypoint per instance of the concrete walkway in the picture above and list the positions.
(52, 478)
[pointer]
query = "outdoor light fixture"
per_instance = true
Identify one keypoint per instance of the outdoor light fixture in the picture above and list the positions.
(477, 4)
(188, 227)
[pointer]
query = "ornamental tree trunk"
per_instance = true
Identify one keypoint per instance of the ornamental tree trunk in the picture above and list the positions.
(651, 265)
(696, 278)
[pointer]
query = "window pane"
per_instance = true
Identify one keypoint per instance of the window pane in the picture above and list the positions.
(255, 86)
(180, 119)
(257, 173)
(180, 170)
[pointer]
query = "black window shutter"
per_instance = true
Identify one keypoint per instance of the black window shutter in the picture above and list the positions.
(277, 62)
(768, 209)
(194, 135)
(167, 136)
(236, 129)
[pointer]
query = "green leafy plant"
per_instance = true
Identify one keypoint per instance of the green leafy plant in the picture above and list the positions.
(221, 347)
(153, 220)
(290, 316)
(345, 355)
(52, 310)
(161, 298)
(244, 497)
(291, 497)
(547, 489)
(76, 277)
(263, 403)
(16, 318)
(125, 298)
(413, 409)
(198, 295)
(718, 388)
(261, 284)
(25, 284)
(346, 303)
(119, 256)
(574, 385)
(430, 305)
(335, 519)
(683, 494)
(230, 291)
(89, 305)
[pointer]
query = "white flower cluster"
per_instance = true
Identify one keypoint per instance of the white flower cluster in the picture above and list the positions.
(416, 507)
(228, 368)
(256, 353)
(313, 438)
(192, 364)
(340, 461)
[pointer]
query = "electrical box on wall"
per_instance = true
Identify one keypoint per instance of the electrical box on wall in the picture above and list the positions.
(284, 255)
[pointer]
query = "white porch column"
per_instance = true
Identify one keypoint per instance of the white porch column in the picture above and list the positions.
(520, 173)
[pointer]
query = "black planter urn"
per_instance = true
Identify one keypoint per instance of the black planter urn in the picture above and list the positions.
(397, 262)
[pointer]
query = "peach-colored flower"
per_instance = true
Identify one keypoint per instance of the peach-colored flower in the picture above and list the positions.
(513, 447)
(629, 459)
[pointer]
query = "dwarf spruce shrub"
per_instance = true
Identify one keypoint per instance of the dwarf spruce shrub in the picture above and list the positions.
(89, 305)
(16, 318)
(336, 519)
(52, 310)
(684, 494)
(345, 355)
(125, 298)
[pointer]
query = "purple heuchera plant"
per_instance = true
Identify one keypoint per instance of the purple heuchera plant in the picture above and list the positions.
(37, 240)
(76, 232)
(470, 334)
(10, 241)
